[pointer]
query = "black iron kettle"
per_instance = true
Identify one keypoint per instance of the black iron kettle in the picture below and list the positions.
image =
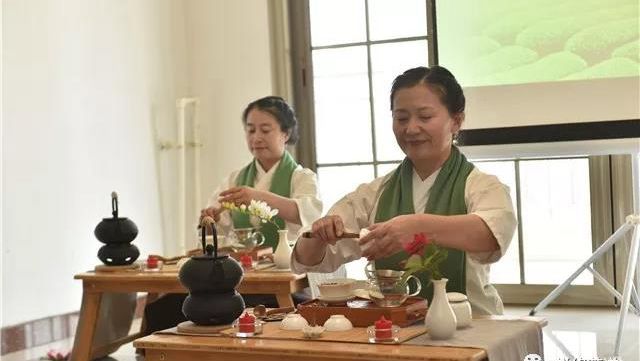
(210, 272)
(115, 229)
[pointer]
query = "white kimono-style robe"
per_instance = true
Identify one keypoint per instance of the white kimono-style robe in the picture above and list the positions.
(485, 196)
(304, 191)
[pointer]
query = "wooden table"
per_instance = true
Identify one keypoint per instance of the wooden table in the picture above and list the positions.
(165, 347)
(192, 348)
(94, 284)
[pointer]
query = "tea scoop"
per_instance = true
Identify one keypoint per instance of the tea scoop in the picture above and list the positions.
(274, 314)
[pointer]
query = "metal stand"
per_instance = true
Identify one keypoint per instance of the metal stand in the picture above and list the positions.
(631, 222)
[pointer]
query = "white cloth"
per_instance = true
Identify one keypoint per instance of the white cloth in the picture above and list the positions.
(503, 340)
(304, 191)
(485, 197)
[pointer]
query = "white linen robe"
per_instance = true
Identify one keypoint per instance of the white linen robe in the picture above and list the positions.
(304, 191)
(485, 197)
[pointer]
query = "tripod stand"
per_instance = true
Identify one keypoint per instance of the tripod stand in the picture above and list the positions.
(631, 222)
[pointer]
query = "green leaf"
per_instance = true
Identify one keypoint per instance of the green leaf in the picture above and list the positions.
(413, 262)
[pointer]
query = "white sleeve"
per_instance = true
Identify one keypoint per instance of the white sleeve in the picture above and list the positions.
(225, 224)
(355, 209)
(490, 200)
(304, 191)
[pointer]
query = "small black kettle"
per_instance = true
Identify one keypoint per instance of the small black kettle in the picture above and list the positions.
(116, 233)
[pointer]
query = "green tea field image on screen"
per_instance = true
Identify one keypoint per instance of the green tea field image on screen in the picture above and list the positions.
(493, 42)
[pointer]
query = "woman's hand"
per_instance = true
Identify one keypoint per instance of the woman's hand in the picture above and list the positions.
(239, 195)
(213, 212)
(387, 238)
(328, 229)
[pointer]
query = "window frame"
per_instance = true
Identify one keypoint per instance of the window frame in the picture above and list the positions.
(302, 77)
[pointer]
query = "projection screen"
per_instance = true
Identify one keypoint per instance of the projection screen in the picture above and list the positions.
(538, 62)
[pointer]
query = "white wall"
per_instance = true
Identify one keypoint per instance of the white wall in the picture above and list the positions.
(229, 67)
(86, 84)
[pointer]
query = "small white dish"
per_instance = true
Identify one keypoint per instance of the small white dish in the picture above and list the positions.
(312, 331)
(293, 322)
(338, 323)
(340, 299)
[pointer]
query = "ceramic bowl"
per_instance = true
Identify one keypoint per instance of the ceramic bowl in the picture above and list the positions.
(338, 323)
(293, 322)
(336, 287)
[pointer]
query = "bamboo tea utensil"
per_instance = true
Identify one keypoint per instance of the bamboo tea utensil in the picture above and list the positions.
(344, 235)
(274, 314)
(167, 260)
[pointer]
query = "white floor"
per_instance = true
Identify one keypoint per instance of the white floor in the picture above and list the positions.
(585, 334)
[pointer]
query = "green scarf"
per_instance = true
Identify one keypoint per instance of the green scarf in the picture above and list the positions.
(280, 185)
(446, 198)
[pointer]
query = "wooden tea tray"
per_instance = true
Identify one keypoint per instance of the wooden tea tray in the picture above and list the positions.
(363, 313)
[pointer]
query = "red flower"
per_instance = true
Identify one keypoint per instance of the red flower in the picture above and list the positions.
(417, 245)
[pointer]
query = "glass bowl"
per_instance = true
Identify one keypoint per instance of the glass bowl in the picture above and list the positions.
(389, 335)
(257, 329)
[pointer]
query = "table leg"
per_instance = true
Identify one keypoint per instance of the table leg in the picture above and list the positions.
(149, 299)
(143, 325)
(86, 326)
(284, 300)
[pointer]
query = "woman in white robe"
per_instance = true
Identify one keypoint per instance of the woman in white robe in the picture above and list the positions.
(272, 177)
(464, 210)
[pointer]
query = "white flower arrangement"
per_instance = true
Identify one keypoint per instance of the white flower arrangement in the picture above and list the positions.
(257, 210)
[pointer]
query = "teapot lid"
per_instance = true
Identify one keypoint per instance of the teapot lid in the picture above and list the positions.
(456, 297)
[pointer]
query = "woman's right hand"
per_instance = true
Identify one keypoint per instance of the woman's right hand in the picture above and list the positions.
(328, 229)
(213, 212)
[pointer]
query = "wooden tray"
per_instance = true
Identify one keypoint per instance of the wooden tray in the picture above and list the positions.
(363, 313)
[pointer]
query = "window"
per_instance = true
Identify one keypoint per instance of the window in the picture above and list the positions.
(554, 213)
(355, 54)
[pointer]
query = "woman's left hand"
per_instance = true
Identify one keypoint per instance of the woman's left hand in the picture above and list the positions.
(387, 238)
(239, 195)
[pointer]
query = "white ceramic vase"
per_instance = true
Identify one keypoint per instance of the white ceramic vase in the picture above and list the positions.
(282, 255)
(440, 319)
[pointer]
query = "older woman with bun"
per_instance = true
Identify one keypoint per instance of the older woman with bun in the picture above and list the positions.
(434, 191)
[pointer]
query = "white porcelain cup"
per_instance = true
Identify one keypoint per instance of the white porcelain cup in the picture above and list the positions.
(461, 308)
(338, 323)
(293, 322)
(336, 287)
